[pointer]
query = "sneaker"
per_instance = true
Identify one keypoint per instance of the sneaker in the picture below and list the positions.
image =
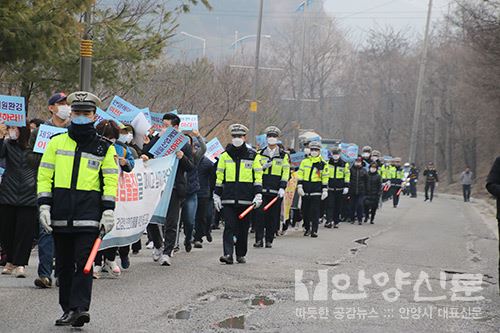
(209, 238)
(43, 282)
(226, 259)
(371, 222)
(150, 246)
(258, 244)
(335, 226)
(125, 262)
(314, 235)
(8, 269)
(269, 245)
(165, 260)
(157, 254)
(19, 272)
(112, 267)
(97, 272)
(197, 245)
(241, 260)
(307, 233)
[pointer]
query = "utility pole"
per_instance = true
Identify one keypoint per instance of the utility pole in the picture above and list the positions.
(300, 108)
(86, 52)
(254, 104)
(420, 85)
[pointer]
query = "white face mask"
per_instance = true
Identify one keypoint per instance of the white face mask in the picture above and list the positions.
(374, 158)
(336, 157)
(12, 134)
(63, 111)
(238, 142)
(307, 151)
(123, 138)
(314, 153)
(373, 170)
(130, 137)
(272, 141)
(366, 155)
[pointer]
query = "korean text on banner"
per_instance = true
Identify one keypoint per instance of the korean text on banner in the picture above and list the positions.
(170, 142)
(214, 149)
(156, 120)
(289, 194)
(349, 152)
(139, 194)
(100, 115)
(125, 111)
(12, 110)
(45, 132)
(189, 122)
(296, 158)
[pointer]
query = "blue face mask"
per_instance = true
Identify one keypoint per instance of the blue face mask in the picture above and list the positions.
(81, 120)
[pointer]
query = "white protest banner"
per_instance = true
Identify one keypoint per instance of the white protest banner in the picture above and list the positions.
(100, 115)
(45, 132)
(214, 149)
(189, 122)
(170, 142)
(141, 124)
(12, 110)
(139, 193)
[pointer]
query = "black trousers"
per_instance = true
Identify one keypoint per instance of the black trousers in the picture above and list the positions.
(413, 188)
(267, 223)
(395, 195)
(466, 189)
(334, 206)
(311, 209)
(17, 229)
(429, 187)
(109, 254)
(235, 236)
(370, 211)
(170, 227)
(357, 207)
(72, 251)
(202, 224)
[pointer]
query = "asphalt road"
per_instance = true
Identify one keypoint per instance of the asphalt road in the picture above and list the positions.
(443, 240)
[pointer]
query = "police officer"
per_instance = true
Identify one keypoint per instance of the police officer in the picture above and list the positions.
(386, 171)
(338, 186)
(77, 184)
(396, 177)
(238, 185)
(312, 187)
(276, 167)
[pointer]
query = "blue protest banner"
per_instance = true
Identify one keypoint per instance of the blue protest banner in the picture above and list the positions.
(140, 193)
(296, 158)
(12, 110)
(349, 152)
(124, 111)
(170, 142)
(261, 140)
(325, 153)
(156, 120)
(45, 132)
(214, 149)
(101, 115)
(160, 213)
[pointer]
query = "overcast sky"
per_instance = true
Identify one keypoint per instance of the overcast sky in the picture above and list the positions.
(218, 26)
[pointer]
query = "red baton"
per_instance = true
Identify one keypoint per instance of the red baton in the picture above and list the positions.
(399, 191)
(245, 213)
(386, 188)
(93, 253)
(272, 202)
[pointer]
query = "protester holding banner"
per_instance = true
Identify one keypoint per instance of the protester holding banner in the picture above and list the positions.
(77, 187)
(190, 205)
(276, 172)
(18, 209)
(238, 185)
(60, 118)
(339, 177)
(312, 187)
(164, 246)
(110, 130)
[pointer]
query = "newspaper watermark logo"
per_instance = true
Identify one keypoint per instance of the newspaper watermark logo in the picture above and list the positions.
(316, 285)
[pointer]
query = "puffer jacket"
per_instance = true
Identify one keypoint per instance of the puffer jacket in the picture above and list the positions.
(359, 178)
(373, 189)
(18, 186)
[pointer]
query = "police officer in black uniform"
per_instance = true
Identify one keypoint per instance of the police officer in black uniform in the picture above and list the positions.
(77, 184)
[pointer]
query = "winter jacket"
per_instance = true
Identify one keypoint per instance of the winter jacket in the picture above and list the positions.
(466, 178)
(206, 173)
(359, 178)
(18, 186)
(123, 151)
(493, 183)
(193, 182)
(431, 175)
(373, 189)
